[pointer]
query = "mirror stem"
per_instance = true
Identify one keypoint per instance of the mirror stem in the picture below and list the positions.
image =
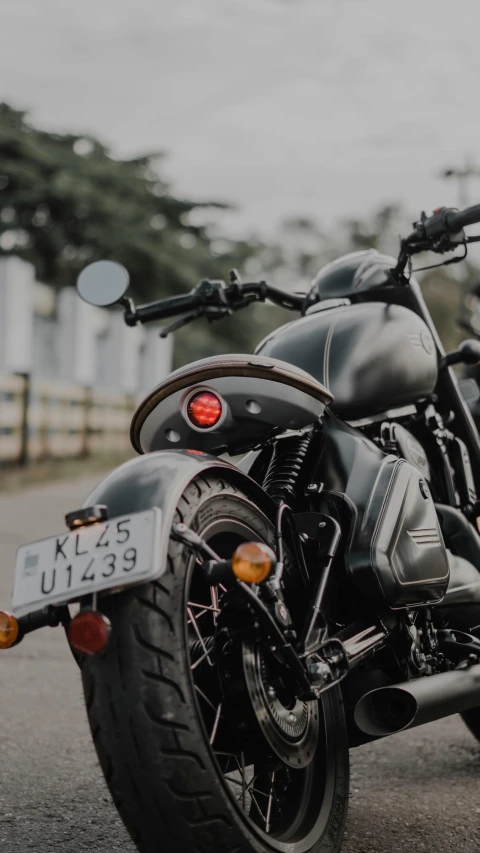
(130, 311)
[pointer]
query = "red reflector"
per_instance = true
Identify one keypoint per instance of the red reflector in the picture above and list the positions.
(438, 209)
(89, 632)
(204, 409)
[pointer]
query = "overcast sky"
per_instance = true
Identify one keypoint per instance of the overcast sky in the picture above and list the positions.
(324, 107)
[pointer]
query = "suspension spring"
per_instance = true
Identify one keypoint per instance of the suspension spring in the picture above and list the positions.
(285, 467)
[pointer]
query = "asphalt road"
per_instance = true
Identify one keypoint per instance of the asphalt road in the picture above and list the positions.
(419, 791)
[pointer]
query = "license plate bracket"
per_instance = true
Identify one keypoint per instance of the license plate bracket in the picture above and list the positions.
(119, 552)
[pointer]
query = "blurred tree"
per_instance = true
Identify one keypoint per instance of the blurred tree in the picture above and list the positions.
(65, 201)
(443, 294)
(306, 246)
(375, 232)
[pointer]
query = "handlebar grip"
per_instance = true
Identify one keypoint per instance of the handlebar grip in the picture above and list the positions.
(166, 308)
(456, 221)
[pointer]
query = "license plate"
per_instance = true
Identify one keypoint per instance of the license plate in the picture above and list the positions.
(109, 554)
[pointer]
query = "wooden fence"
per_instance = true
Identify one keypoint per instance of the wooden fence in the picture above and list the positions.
(40, 419)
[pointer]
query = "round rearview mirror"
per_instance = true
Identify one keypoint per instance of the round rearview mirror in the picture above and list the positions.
(103, 283)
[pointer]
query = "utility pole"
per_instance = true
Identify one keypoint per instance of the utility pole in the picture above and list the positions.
(462, 175)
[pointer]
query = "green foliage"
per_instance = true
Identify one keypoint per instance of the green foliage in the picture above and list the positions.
(373, 233)
(443, 295)
(65, 201)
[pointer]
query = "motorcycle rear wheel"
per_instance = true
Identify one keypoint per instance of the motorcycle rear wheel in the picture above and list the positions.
(153, 706)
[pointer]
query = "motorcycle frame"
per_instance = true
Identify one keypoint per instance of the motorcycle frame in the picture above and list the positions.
(409, 294)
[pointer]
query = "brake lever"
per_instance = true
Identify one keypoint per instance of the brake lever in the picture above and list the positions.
(211, 312)
(244, 302)
(188, 318)
(216, 312)
(455, 260)
(430, 235)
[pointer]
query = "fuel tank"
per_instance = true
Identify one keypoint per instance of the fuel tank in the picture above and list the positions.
(371, 356)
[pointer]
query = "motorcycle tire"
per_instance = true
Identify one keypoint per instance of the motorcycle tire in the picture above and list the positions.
(152, 697)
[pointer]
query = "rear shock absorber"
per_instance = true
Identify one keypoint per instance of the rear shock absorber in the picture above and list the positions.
(286, 466)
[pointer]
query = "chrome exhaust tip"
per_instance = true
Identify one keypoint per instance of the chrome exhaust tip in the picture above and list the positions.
(388, 710)
(385, 711)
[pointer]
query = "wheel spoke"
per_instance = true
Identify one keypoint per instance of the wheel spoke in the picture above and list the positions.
(244, 782)
(197, 604)
(270, 801)
(198, 615)
(250, 791)
(243, 779)
(234, 782)
(254, 800)
(256, 790)
(205, 698)
(215, 725)
(200, 638)
(260, 793)
(199, 661)
(214, 597)
(248, 788)
(203, 607)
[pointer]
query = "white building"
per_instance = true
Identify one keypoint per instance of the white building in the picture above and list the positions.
(55, 336)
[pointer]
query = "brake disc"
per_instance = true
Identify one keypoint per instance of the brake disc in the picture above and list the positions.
(289, 725)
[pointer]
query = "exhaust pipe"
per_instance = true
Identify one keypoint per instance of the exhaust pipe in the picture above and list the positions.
(362, 639)
(389, 710)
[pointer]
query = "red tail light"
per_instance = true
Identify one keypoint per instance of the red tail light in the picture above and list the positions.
(89, 632)
(204, 409)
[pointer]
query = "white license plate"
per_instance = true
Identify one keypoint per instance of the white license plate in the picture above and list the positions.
(109, 554)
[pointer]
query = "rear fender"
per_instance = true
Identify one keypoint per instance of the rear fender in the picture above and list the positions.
(159, 480)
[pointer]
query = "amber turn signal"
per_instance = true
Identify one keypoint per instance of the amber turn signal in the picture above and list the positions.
(8, 630)
(252, 562)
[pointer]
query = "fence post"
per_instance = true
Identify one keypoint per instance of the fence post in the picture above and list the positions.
(86, 422)
(23, 454)
(131, 407)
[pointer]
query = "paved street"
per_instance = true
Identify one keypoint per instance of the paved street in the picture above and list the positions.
(416, 792)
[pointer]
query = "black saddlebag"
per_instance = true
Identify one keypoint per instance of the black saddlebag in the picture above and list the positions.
(397, 550)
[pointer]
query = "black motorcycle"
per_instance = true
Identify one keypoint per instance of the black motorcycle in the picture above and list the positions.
(240, 625)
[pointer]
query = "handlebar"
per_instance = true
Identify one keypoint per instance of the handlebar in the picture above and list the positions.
(161, 310)
(263, 291)
(441, 232)
(456, 221)
(212, 299)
